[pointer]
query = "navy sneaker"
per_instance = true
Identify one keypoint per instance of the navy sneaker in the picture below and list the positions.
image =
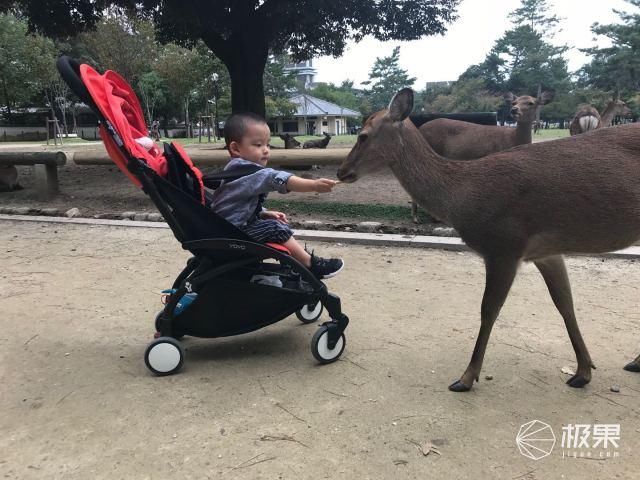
(325, 267)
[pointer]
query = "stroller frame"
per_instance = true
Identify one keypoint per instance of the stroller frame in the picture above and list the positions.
(217, 279)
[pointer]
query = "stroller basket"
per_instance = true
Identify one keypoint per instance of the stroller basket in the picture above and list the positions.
(209, 296)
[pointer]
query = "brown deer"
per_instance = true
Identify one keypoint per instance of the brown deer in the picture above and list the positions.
(289, 141)
(531, 203)
(459, 140)
(587, 118)
(321, 143)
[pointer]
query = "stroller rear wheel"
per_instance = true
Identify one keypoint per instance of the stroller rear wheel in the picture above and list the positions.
(310, 313)
(320, 346)
(164, 356)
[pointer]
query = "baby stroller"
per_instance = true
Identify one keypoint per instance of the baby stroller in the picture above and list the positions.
(209, 298)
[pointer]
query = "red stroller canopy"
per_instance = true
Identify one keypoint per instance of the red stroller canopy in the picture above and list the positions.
(120, 106)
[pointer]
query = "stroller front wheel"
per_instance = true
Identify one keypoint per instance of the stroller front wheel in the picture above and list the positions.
(320, 346)
(310, 313)
(164, 356)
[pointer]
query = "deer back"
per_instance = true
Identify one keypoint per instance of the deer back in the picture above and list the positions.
(460, 140)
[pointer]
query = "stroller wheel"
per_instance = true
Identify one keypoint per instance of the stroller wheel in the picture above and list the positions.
(320, 347)
(310, 313)
(164, 356)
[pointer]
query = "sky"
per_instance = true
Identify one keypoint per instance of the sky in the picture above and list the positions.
(468, 40)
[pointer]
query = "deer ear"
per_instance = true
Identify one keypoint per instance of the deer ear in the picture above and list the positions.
(546, 97)
(401, 105)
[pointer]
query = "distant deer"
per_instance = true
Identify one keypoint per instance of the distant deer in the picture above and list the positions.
(537, 125)
(289, 141)
(587, 118)
(531, 203)
(320, 143)
(9, 178)
(459, 140)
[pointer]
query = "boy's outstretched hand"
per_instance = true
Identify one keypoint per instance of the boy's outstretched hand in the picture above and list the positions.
(324, 185)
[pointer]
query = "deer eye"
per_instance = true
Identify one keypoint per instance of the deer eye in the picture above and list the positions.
(531, 103)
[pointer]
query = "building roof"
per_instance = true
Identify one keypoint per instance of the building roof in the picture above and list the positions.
(308, 106)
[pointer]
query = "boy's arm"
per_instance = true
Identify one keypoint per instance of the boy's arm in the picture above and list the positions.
(321, 185)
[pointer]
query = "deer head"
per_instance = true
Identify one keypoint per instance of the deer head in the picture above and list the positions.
(620, 108)
(524, 108)
(289, 140)
(377, 142)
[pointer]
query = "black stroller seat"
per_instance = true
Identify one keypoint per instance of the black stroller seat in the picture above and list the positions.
(209, 296)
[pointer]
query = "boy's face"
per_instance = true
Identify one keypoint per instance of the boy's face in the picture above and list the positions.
(254, 145)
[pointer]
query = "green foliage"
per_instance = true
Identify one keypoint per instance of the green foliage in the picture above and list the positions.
(25, 63)
(345, 96)
(386, 78)
(535, 15)
(278, 86)
(153, 94)
(522, 60)
(243, 32)
(616, 68)
(119, 43)
(467, 95)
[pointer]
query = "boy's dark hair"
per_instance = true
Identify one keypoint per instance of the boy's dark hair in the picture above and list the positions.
(236, 125)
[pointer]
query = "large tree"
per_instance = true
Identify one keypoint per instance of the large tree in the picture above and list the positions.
(523, 60)
(26, 63)
(386, 78)
(242, 33)
(616, 68)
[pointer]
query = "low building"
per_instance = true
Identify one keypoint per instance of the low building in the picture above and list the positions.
(313, 117)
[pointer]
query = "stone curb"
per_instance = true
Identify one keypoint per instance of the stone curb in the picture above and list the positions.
(377, 239)
(362, 227)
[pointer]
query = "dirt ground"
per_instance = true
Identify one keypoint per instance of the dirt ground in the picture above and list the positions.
(77, 401)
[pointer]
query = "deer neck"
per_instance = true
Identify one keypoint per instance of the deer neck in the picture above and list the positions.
(523, 134)
(608, 114)
(426, 176)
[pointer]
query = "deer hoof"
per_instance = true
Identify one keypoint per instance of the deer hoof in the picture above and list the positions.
(458, 386)
(578, 381)
(632, 367)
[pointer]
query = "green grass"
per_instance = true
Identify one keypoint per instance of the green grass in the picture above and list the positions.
(348, 210)
(551, 134)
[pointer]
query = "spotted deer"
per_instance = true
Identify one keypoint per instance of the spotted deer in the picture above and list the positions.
(587, 117)
(459, 140)
(533, 203)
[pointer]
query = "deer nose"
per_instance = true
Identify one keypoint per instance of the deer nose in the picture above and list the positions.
(514, 111)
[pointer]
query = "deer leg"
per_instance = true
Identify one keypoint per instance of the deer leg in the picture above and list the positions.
(555, 276)
(414, 211)
(500, 273)
(633, 366)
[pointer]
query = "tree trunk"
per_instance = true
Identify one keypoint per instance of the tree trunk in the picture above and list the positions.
(245, 55)
(8, 101)
(246, 70)
(186, 117)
